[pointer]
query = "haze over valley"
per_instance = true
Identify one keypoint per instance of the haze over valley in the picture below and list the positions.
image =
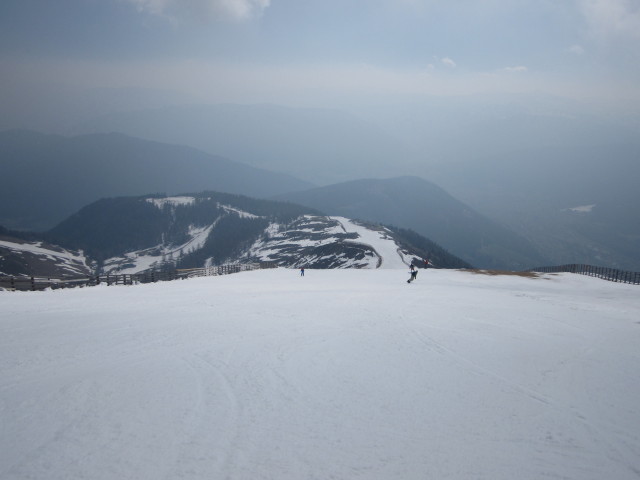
(528, 113)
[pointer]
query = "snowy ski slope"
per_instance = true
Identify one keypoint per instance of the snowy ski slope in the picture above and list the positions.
(343, 374)
(388, 250)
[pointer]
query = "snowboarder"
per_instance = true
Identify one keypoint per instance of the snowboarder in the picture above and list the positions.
(413, 272)
(302, 272)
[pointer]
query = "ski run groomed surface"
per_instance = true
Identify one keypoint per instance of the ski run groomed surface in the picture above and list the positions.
(341, 374)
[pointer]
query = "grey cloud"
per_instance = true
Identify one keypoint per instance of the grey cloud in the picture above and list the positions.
(612, 17)
(207, 9)
(516, 69)
(576, 49)
(448, 62)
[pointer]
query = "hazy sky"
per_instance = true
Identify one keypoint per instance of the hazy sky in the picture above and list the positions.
(311, 52)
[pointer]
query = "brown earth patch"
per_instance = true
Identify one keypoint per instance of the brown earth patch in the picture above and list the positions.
(506, 272)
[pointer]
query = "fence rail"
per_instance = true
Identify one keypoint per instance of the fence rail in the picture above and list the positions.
(34, 283)
(610, 274)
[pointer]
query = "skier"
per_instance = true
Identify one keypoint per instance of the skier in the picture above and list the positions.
(302, 272)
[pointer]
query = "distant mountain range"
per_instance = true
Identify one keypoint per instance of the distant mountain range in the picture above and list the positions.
(136, 234)
(46, 178)
(549, 205)
(523, 162)
(318, 145)
(411, 202)
(575, 204)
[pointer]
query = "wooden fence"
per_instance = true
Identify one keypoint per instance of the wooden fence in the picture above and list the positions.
(610, 274)
(34, 283)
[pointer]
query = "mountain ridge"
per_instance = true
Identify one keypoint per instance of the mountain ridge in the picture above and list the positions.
(414, 203)
(318, 145)
(152, 232)
(49, 177)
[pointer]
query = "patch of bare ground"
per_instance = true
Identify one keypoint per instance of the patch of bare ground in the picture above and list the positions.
(505, 272)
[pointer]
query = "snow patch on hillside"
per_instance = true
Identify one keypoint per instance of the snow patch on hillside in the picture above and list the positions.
(381, 241)
(155, 257)
(66, 260)
(173, 201)
(186, 201)
(37, 249)
(237, 211)
(582, 209)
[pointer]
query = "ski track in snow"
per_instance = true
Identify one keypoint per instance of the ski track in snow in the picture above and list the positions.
(339, 374)
(142, 260)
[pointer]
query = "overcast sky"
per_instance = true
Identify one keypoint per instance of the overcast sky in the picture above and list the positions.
(314, 51)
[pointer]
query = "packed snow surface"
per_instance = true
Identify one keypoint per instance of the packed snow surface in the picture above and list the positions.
(341, 374)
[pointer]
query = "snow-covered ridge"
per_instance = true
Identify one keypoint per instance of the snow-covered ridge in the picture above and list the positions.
(311, 241)
(329, 242)
(391, 256)
(173, 201)
(164, 253)
(237, 211)
(37, 248)
(186, 201)
(62, 260)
